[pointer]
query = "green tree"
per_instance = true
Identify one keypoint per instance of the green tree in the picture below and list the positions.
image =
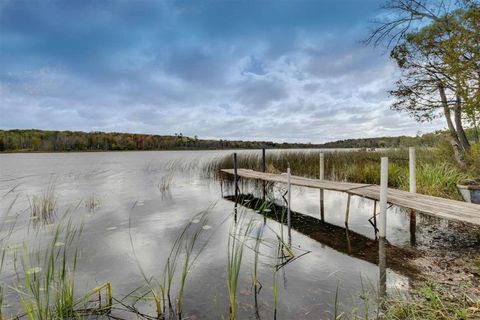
(435, 45)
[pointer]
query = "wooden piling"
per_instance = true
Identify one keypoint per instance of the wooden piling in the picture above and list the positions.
(383, 197)
(264, 169)
(382, 266)
(322, 195)
(347, 211)
(264, 161)
(413, 228)
(235, 176)
(221, 186)
(413, 189)
(289, 198)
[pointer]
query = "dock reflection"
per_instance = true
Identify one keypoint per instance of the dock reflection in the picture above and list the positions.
(375, 251)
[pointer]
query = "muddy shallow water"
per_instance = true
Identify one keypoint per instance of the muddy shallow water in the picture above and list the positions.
(134, 205)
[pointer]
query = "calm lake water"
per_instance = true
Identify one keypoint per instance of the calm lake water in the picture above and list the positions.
(143, 200)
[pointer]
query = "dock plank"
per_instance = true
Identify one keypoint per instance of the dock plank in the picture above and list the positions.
(429, 205)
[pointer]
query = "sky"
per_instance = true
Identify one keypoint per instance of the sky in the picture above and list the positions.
(278, 70)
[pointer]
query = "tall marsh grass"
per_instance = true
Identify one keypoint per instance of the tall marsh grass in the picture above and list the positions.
(433, 301)
(239, 233)
(436, 176)
(43, 208)
(47, 277)
(181, 259)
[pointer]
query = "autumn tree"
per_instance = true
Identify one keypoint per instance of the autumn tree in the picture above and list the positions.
(436, 46)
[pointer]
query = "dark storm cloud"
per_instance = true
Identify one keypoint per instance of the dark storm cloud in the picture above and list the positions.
(281, 70)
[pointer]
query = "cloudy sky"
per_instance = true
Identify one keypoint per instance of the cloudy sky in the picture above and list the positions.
(263, 70)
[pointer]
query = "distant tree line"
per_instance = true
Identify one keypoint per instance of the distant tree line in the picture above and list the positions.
(61, 141)
(426, 140)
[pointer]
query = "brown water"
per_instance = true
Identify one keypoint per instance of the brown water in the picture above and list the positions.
(134, 210)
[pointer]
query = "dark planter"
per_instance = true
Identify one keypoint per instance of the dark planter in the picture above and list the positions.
(470, 190)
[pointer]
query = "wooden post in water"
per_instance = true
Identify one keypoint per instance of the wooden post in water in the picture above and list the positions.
(383, 197)
(347, 212)
(413, 189)
(235, 177)
(382, 266)
(289, 198)
(264, 169)
(322, 177)
(221, 185)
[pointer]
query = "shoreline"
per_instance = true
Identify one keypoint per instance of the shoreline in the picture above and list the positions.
(199, 149)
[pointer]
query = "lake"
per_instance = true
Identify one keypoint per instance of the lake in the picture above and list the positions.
(133, 207)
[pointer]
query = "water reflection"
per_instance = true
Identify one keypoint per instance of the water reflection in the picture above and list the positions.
(341, 239)
(152, 195)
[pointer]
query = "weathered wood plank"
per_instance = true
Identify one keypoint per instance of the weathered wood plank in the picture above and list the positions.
(429, 205)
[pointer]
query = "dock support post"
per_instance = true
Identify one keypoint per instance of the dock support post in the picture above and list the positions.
(264, 169)
(382, 266)
(413, 189)
(347, 212)
(322, 177)
(412, 167)
(413, 228)
(235, 185)
(221, 186)
(383, 197)
(235, 177)
(289, 198)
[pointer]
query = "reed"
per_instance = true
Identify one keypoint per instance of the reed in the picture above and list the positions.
(47, 275)
(439, 179)
(275, 278)
(436, 175)
(165, 183)
(258, 241)
(6, 231)
(433, 301)
(181, 259)
(44, 207)
(2, 259)
(239, 234)
(92, 203)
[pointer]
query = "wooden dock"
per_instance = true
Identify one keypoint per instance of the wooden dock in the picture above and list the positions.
(432, 206)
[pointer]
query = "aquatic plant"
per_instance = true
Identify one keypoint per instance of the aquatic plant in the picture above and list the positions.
(92, 202)
(185, 251)
(165, 183)
(2, 259)
(439, 180)
(256, 249)
(436, 175)
(43, 208)
(47, 275)
(433, 301)
(239, 233)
